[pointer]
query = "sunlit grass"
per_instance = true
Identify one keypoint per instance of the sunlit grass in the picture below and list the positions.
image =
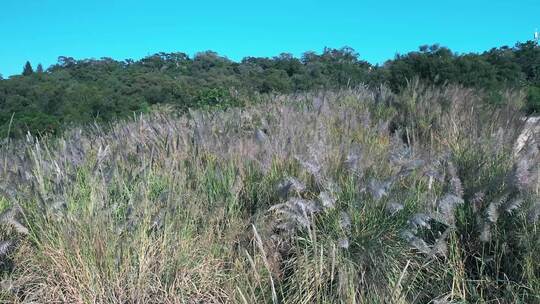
(341, 198)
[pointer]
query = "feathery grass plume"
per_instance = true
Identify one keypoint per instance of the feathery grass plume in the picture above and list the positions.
(327, 200)
(261, 136)
(403, 157)
(526, 139)
(455, 182)
(534, 212)
(379, 189)
(523, 176)
(343, 243)
(318, 103)
(526, 169)
(485, 231)
(10, 213)
(7, 286)
(290, 185)
(382, 127)
(420, 220)
(446, 206)
(237, 186)
(345, 221)
(18, 227)
(352, 161)
(416, 242)
(409, 167)
(393, 208)
(498, 138)
(311, 167)
(331, 187)
(440, 248)
(8, 217)
(5, 247)
(7, 193)
(513, 205)
(433, 172)
(492, 210)
(399, 153)
(295, 212)
(477, 201)
(158, 221)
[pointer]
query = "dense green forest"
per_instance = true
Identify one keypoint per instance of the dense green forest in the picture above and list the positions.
(83, 91)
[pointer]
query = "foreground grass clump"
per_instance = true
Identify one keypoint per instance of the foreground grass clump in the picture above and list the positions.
(357, 196)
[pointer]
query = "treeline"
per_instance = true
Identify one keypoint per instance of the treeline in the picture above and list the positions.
(83, 91)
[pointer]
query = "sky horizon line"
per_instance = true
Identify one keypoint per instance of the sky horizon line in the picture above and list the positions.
(239, 59)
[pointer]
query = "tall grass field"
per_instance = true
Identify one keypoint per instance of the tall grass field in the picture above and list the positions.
(351, 196)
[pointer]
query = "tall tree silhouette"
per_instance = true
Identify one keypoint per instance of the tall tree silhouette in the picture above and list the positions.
(28, 70)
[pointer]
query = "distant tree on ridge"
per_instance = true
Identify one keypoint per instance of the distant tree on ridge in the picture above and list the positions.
(28, 70)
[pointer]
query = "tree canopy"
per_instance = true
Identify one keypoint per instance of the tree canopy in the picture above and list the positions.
(87, 90)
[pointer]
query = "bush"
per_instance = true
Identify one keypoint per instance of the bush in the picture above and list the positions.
(533, 100)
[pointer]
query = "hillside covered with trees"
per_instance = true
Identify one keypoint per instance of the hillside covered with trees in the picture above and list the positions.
(83, 91)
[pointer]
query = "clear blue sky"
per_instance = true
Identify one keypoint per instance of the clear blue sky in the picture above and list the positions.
(42, 30)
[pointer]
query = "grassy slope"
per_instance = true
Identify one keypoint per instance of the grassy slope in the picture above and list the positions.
(298, 199)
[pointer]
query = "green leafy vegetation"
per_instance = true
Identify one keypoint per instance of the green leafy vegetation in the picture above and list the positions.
(429, 195)
(75, 92)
